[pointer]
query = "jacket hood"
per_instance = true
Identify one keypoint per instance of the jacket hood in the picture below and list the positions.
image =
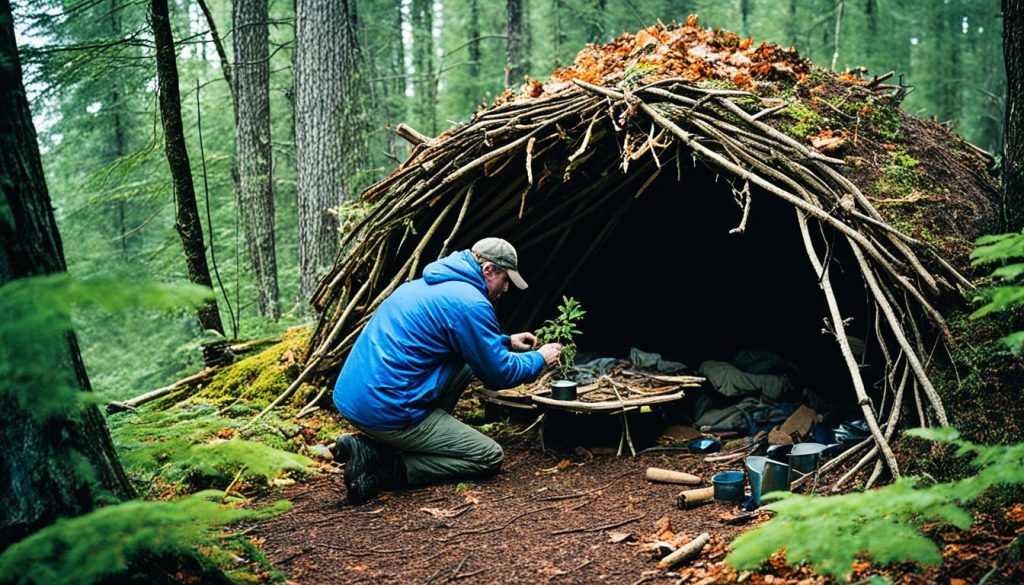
(457, 266)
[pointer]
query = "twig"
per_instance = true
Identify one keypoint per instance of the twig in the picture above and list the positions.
(597, 528)
(231, 485)
(588, 492)
(494, 528)
(459, 566)
(472, 574)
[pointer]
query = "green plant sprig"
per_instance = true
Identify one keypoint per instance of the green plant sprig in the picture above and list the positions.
(562, 329)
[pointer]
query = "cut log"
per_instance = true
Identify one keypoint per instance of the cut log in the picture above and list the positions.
(669, 476)
(691, 498)
(685, 552)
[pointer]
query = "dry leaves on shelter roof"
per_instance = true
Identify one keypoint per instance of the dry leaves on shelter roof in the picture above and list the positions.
(686, 52)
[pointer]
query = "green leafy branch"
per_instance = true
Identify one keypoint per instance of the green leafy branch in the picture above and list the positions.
(562, 329)
(1007, 250)
(830, 533)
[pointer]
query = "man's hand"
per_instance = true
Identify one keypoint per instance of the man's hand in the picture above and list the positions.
(551, 353)
(522, 341)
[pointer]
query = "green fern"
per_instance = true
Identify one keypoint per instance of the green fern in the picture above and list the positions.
(1006, 250)
(107, 542)
(830, 533)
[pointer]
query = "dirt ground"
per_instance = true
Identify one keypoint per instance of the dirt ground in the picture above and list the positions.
(498, 530)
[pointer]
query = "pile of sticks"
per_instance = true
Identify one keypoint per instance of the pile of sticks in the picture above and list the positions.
(652, 126)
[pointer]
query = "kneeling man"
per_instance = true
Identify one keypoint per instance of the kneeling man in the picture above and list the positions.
(411, 363)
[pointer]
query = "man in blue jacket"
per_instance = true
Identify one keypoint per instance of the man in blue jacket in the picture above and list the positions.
(411, 363)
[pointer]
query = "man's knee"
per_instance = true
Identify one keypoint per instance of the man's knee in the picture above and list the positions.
(491, 457)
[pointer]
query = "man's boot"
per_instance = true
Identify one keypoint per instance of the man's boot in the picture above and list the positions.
(369, 467)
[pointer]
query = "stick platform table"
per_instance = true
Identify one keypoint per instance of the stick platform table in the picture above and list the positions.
(618, 394)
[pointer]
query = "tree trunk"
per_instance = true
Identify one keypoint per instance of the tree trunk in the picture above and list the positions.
(596, 22)
(253, 148)
(871, 14)
(517, 49)
(119, 146)
(745, 18)
(424, 65)
(474, 39)
(331, 127)
(66, 464)
(947, 47)
(792, 25)
(186, 212)
(1013, 126)
(557, 36)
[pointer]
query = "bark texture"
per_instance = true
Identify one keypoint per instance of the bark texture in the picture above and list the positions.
(331, 127)
(517, 49)
(41, 461)
(186, 213)
(1013, 142)
(253, 148)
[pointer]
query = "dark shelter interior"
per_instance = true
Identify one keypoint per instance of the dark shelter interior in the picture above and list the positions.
(670, 278)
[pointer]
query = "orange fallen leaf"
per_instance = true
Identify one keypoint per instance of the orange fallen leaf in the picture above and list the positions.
(644, 38)
(828, 140)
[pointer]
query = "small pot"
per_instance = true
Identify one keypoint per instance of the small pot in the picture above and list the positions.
(804, 459)
(728, 486)
(563, 390)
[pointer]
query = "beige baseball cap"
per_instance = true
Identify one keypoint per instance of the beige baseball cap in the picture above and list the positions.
(502, 254)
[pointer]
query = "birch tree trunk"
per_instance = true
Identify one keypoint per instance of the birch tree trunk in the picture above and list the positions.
(186, 213)
(331, 127)
(1013, 141)
(253, 147)
(66, 464)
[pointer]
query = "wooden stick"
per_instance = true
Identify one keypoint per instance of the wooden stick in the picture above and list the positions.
(668, 476)
(901, 337)
(685, 552)
(606, 405)
(152, 395)
(844, 346)
(411, 135)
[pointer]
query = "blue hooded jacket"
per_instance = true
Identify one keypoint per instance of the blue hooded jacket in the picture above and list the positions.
(419, 337)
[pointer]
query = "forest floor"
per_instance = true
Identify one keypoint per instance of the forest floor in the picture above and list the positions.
(500, 530)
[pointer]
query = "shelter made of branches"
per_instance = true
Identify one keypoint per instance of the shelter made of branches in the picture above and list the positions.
(874, 198)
